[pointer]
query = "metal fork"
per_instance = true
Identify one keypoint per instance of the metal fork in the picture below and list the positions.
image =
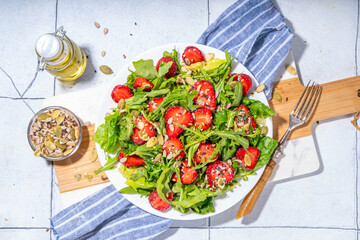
(298, 116)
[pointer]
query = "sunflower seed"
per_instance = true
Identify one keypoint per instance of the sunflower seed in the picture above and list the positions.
(190, 80)
(157, 158)
(171, 127)
(97, 25)
(106, 70)
(170, 121)
(103, 53)
(123, 160)
(106, 30)
(170, 156)
(140, 125)
(233, 84)
(164, 154)
(160, 139)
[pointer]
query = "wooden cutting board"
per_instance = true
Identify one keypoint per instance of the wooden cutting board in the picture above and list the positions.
(338, 98)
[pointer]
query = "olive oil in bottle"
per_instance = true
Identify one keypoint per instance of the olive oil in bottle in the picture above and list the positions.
(60, 56)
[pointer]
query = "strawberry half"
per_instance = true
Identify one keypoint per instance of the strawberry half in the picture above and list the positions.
(244, 120)
(218, 174)
(245, 80)
(173, 146)
(121, 92)
(202, 117)
(188, 175)
(178, 115)
(142, 128)
(172, 69)
(154, 103)
(157, 203)
(204, 153)
(131, 161)
(143, 82)
(192, 55)
(206, 95)
(248, 160)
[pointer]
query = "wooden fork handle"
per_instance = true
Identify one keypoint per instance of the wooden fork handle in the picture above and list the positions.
(251, 198)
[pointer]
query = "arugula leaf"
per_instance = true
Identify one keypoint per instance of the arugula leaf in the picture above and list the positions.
(145, 69)
(237, 95)
(163, 188)
(257, 108)
(128, 190)
(267, 146)
(204, 207)
(163, 69)
(174, 56)
(110, 164)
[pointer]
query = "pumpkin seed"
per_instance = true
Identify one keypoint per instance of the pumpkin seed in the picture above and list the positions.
(291, 70)
(233, 84)
(152, 142)
(221, 183)
(55, 114)
(50, 138)
(67, 152)
(190, 80)
(209, 56)
(88, 176)
(97, 25)
(77, 133)
(63, 141)
(77, 177)
(247, 160)
(135, 113)
(93, 155)
(277, 96)
(264, 131)
(59, 145)
(260, 88)
(50, 145)
(42, 116)
(103, 53)
(123, 111)
(260, 120)
(58, 131)
(143, 136)
(72, 134)
(160, 139)
(59, 120)
(121, 104)
(158, 158)
(106, 70)
(70, 143)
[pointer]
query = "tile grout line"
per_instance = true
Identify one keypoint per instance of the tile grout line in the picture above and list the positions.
(272, 227)
(12, 81)
(13, 98)
(208, 10)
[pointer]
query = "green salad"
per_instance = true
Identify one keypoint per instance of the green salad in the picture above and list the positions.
(185, 132)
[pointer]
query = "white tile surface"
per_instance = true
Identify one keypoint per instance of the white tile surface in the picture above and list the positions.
(25, 234)
(282, 234)
(184, 233)
(25, 185)
(120, 18)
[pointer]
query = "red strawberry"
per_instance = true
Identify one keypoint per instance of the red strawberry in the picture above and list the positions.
(178, 115)
(244, 120)
(248, 160)
(245, 80)
(218, 174)
(143, 82)
(131, 161)
(205, 96)
(192, 55)
(142, 126)
(154, 103)
(204, 153)
(157, 203)
(187, 174)
(173, 146)
(172, 69)
(203, 117)
(121, 92)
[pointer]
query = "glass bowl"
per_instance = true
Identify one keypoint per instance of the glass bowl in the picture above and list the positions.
(75, 148)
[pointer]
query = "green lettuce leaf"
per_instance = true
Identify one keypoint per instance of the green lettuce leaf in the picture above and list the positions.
(267, 146)
(145, 69)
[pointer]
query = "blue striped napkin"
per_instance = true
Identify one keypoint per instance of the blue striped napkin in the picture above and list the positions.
(254, 32)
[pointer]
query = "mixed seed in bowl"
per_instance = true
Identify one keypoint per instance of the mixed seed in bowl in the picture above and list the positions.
(54, 133)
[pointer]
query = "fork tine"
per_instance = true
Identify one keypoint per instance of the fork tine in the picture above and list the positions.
(312, 93)
(318, 92)
(306, 98)
(293, 111)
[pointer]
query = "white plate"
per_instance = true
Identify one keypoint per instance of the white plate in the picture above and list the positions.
(221, 203)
